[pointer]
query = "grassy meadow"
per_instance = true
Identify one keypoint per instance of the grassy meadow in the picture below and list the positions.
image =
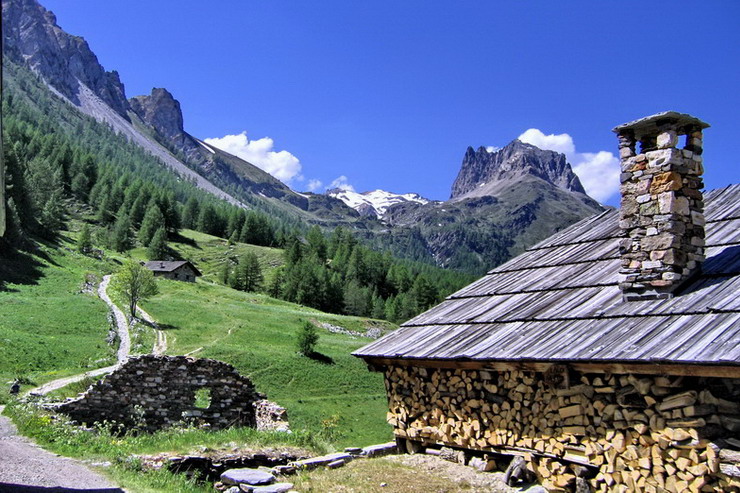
(50, 329)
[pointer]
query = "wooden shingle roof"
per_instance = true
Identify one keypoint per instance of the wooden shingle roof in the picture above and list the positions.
(169, 266)
(560, 301)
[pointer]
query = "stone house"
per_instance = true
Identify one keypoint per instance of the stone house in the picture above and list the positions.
(180, 270)
(607, 356)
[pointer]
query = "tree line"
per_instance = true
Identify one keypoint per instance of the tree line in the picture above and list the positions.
(133, 200)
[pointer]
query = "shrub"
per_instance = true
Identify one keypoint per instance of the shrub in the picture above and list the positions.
(308, 336)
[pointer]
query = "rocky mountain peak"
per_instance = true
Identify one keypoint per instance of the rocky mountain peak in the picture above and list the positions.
(31, 36)
(161, 111)
(484, 172)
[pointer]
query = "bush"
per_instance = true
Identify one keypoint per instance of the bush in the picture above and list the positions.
(308, 336)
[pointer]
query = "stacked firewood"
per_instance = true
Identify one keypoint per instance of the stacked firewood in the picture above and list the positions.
(621, 432)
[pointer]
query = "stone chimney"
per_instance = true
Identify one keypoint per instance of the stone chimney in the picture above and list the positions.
(662, 209)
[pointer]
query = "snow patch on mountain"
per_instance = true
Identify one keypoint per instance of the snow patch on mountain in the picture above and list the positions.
(376, 202)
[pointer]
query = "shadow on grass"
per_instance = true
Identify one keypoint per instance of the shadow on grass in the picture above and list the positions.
(20, 267)
(321, 358)
(178, 238)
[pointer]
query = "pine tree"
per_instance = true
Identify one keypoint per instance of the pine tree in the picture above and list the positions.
(153, 220)
(208, 220)
(84, 242)
(308, 336)
(157, 249)
(121, 237)
(317, 243)
(275, 287)
(190, 213)
(224, 273)
(253, 277)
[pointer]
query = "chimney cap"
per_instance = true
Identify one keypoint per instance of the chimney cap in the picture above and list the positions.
(653, 123)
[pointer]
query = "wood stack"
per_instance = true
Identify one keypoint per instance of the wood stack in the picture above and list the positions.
(623, 432)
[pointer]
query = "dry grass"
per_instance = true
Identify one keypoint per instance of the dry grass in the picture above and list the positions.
(382, 475)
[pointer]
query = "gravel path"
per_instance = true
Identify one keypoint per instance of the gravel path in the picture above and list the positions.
(125, 341)
(24, 467)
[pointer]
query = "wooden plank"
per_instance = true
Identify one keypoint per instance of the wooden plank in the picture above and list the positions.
(721, 371)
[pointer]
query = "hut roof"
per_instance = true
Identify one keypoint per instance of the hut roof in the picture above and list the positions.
(560, 301)
(169, 266)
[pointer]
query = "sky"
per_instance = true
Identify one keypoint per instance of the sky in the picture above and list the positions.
(389, 94)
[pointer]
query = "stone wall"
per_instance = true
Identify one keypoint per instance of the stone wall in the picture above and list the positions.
(153, 392)
(620, 432)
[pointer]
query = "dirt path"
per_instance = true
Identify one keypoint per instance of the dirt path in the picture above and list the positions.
(160, 344)
(123, 349)
(25, 467)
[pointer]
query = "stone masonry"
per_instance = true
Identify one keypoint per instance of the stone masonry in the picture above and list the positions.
(153, 392)
(662, 208)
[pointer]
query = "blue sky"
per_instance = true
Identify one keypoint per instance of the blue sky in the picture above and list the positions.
(390, 94)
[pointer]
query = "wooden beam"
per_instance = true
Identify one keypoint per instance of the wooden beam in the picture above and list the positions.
(685, 369)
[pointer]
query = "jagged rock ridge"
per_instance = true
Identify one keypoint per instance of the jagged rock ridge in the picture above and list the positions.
(485, 173)
(32, 37)
(67, 65)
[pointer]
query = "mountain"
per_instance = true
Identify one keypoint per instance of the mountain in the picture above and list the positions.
(375, 203)
(71, 70)
(487, 172)
(501, 202)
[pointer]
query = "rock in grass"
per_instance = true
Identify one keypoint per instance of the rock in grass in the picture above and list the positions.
(274, 488)
(249, 476)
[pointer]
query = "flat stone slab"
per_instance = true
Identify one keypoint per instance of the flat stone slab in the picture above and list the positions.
(380, 449)
(274, 488)
(323, 460)
(253, 477)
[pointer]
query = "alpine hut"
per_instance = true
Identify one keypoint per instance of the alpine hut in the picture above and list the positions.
(179, 270)
(607, 356)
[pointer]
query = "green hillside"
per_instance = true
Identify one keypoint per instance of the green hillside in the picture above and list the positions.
(48, 327)
(51, 329)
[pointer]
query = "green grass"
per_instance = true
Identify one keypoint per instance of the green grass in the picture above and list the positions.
(337, 397)
(208, 253)
(100, 444)
(48, 328)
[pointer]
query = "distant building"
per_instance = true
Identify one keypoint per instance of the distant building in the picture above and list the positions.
(181, 270)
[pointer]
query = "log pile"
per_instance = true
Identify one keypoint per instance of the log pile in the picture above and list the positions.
(621, 432)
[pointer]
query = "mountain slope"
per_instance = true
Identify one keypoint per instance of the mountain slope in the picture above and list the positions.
(375, 203)
(71, 70)
(501, 202)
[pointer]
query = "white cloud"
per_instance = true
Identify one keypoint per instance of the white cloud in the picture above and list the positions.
(341, 183)
(493, 148)
(562, 143)
(313, 185)
(598, 171)
(281, 164)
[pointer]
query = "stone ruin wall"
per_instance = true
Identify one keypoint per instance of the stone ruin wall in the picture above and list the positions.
(154, 392)
(632, 432)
